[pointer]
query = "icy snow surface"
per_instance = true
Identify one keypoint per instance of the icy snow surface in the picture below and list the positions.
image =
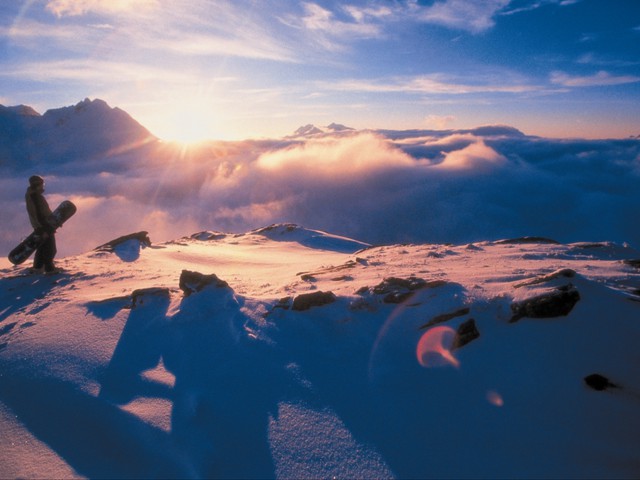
(111, 370)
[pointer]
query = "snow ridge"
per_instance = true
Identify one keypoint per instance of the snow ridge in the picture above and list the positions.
(310, 238)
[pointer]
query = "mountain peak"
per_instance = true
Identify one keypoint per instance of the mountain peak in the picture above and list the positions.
(19, 110)
(497, 130)
(96, 112)
(87, 105)
(310, 129)
(338, 127)
(306, 130)
(88, 129)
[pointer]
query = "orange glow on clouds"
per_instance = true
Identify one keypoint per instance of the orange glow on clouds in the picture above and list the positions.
(474, 156)
(355, 154)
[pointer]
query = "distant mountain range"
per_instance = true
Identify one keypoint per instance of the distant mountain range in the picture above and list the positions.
(309, 130)
(92, 131)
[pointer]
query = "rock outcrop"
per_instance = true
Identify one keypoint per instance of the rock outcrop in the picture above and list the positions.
(445, 317)
(397, 290)
(556, 303)
(193, 282)
(305, 301)
(525, 240)
(138, 296)
(632, 263)
(467, 332)
(142, 237)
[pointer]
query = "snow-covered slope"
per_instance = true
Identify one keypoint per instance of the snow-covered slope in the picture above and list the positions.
(291, 353)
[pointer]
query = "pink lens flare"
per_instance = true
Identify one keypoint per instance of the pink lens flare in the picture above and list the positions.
(494, 398)
(434, 348)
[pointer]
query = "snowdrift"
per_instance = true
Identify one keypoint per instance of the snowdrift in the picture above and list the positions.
(292, 353)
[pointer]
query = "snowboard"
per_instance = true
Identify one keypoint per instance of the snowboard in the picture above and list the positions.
(29, 245)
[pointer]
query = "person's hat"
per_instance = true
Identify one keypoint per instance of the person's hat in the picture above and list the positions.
(36, 180)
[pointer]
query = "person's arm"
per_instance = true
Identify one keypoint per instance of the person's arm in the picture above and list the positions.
(41, 215)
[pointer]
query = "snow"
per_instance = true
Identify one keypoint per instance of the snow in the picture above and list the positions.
(109, 369)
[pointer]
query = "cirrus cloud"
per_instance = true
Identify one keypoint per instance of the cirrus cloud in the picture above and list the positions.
(601, 78)
(469, 15)
(62, 8)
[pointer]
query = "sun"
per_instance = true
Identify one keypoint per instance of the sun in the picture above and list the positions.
(189, 124)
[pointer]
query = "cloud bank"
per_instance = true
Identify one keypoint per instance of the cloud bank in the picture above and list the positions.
(378, 187)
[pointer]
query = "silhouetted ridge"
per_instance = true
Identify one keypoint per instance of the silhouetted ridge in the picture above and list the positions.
(89, 130)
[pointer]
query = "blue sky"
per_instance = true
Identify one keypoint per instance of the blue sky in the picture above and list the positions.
(189, 69)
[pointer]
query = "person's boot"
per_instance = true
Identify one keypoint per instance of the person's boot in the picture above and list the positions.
(51, 269)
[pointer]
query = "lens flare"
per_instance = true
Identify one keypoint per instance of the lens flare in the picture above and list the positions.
(434, 348)
(494, 398)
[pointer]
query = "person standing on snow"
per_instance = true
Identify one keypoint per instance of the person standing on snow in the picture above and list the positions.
(39, 211)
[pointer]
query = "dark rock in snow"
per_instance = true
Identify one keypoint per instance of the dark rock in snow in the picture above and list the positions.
(562, 273)
(599, 382)
(397, 297)
(467, 332)
(632, 263)
(445, 317)
(138, 296)
(142, 237)
(193, 282)
(280, 228)
(315, 299)
(342, 278)
(284, 303)
(362, 290)
(208, 236)
(590, 245)
(521, 240)
(311, 276)
(397, 290)
(392, 284)
(556, 303)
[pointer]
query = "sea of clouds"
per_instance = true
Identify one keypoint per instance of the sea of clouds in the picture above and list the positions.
(379, 187)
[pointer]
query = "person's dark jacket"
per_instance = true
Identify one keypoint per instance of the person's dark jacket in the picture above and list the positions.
(38, 210)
